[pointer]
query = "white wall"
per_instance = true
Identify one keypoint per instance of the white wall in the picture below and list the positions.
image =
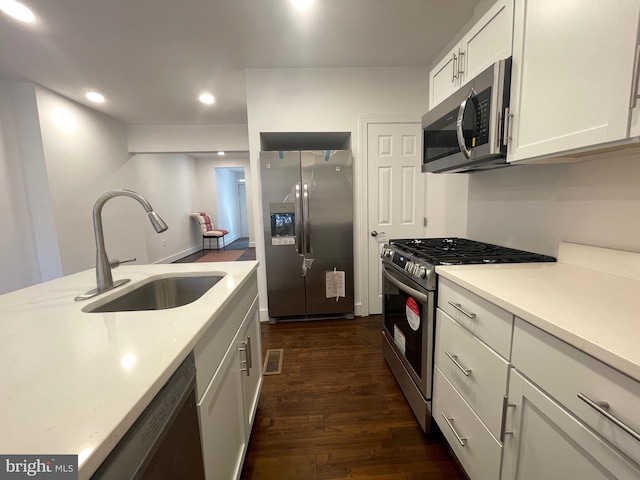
(171, 180)
(327, 100)
(18, 252)
(446, 204)
(86, 155)
(535, 207)
(187, 138)
(56, 158)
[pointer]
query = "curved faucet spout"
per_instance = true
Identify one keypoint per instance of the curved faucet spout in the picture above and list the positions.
(104, 279)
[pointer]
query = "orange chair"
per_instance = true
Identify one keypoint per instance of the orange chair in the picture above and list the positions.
(208, 230)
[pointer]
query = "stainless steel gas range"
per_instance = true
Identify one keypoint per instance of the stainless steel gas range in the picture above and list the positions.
(409, 306)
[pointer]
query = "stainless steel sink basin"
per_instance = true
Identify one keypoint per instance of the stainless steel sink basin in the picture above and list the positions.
(160, 294)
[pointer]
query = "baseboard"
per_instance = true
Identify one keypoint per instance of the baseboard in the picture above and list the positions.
(230, 239)
(179, 255)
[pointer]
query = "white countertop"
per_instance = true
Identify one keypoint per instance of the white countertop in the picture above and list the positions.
(74, 382)
(593, 311)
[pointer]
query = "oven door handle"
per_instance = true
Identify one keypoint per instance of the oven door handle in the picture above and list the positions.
(405, 288)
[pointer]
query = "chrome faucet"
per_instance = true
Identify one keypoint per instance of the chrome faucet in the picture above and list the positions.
(104, 279)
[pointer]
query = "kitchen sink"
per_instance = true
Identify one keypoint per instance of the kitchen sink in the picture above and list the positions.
(160, 294)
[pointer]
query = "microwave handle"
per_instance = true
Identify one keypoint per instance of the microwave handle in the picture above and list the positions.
(463, 147)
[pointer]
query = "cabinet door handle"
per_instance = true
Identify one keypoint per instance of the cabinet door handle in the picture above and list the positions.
(458, 307)
(460, 65)
(454, 359)
(634, 82)
(249, 359)
(600, 408)
(243, 348)
(454, 66)
(450, 423)
(503, 428)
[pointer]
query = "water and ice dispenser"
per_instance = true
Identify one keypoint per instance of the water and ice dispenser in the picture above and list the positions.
(283, 223)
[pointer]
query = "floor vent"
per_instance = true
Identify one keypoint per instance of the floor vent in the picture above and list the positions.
(273, 362)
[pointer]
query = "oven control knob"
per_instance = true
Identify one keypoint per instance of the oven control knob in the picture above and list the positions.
(422, 272)
(408, 266)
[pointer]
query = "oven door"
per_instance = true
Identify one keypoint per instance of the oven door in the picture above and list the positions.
(408, 312)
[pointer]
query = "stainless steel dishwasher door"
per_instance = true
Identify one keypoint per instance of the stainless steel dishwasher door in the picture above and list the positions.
(164, 442)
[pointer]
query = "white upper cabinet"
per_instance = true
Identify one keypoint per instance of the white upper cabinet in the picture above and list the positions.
(443, 79)
(488, 41)
(573, 69)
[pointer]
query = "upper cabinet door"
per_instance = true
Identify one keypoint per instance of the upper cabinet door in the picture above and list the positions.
(573, 65)
(487, 42)
(443, 79)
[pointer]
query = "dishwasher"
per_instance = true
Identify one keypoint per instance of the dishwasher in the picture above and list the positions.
(164, 442)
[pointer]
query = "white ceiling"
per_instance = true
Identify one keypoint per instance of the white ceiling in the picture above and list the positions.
(152, 58)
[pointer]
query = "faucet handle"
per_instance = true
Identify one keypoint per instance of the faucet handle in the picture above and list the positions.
(115, 263)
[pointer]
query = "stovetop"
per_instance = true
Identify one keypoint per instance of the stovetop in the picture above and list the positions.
(417, 258)
(460, 251)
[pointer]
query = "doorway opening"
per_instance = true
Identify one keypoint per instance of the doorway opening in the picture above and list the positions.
(231, 201)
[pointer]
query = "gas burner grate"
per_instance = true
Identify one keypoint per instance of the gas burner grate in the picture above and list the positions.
(459, 251)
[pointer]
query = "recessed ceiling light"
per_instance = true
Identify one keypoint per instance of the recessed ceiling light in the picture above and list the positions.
(301, 4)
(17, 10)
(221, 154)
(207, 98)
(94, 97)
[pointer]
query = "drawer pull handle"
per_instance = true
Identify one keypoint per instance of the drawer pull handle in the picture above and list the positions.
(454, 359)
(450, 423)
(600, 408)
(462, 310)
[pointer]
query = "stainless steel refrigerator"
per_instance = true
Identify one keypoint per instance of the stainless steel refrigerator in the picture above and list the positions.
(307, 207)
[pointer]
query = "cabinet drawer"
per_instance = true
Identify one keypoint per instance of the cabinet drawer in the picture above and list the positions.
(211, 348)
(488, 322)
(538, 355)
(480, 454)
(480, 375)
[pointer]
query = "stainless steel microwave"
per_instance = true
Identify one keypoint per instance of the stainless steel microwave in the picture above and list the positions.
(466, 132)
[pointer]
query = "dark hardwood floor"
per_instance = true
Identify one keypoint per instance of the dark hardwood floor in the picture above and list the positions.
(336, 412)
(240, 244)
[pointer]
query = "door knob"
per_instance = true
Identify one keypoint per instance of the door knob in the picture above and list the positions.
(375, 234)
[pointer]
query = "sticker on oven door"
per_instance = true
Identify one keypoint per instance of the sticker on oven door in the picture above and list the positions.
(413, 314)
(399, 339)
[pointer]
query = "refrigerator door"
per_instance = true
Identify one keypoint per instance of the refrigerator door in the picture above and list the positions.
(281, 213)
(327, 181)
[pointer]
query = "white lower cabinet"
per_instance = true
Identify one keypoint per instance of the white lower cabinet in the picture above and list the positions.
(251, 367)
(549, 443)
(474, 446)
(229, 378)
(222, 421)
(542, 410)
(472, 348)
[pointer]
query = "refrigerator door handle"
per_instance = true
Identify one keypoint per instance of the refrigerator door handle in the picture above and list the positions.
(298, 226)
(305, 214)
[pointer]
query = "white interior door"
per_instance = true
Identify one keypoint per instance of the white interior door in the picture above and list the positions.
(395, 191)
